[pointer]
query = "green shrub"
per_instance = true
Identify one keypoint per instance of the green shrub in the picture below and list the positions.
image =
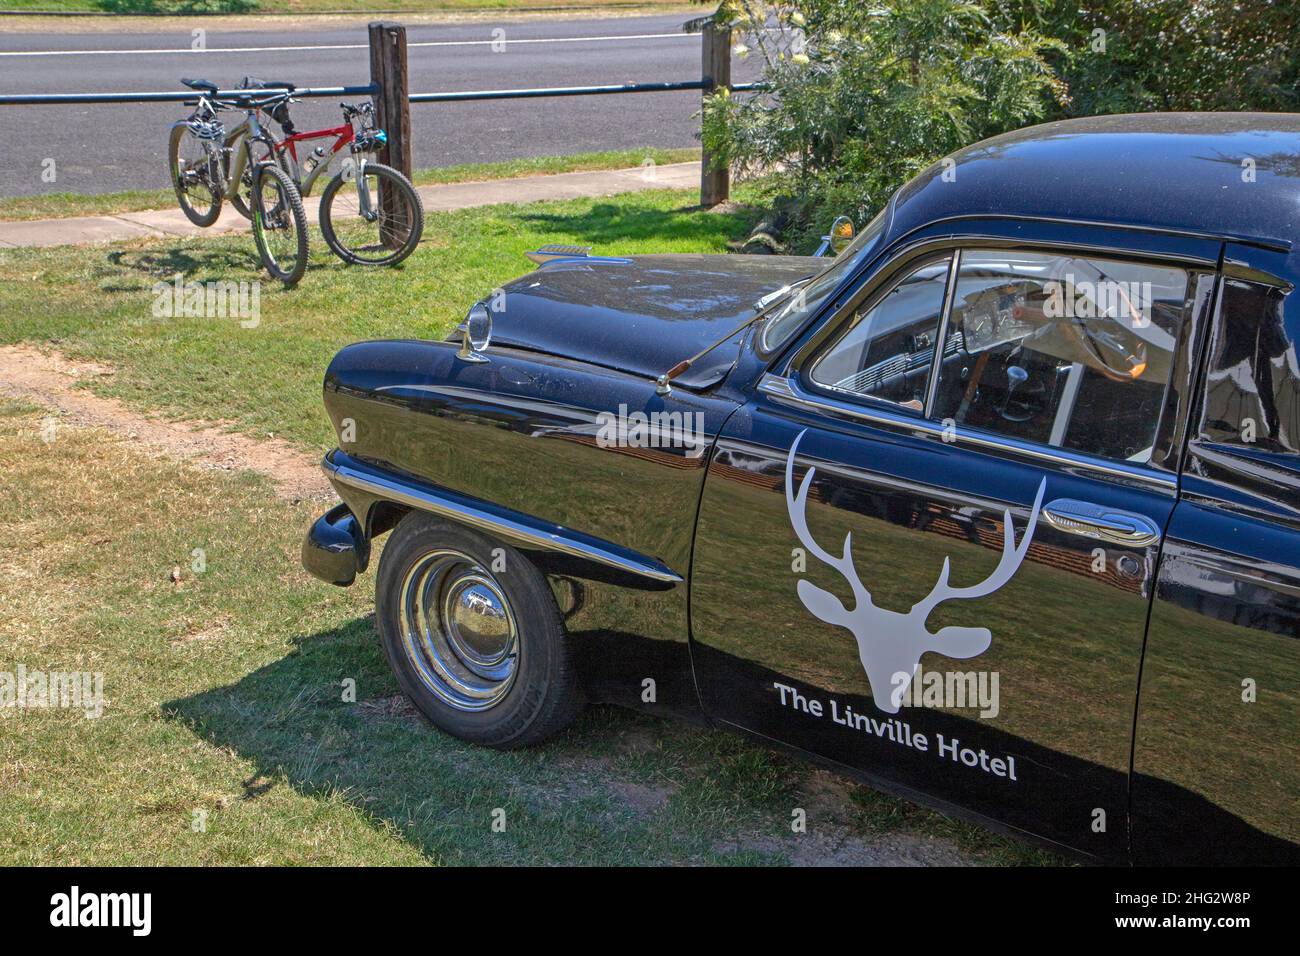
(862, 96)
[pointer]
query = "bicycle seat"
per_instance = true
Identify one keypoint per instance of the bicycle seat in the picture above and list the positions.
(205, 86)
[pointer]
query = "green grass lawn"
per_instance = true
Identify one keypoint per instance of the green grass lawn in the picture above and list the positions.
(225, 690)
(98, 302)
(62, 205)
(224, 698)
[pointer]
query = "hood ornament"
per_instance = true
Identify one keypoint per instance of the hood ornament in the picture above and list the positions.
(558, 251)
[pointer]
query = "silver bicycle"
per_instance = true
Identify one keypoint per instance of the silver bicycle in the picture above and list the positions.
(210, 163)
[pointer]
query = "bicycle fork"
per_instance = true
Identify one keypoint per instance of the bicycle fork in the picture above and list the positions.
(365, 203)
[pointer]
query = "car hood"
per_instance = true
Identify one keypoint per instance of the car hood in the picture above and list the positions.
(641, 314)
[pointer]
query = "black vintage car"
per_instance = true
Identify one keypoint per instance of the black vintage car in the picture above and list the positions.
(998, 508)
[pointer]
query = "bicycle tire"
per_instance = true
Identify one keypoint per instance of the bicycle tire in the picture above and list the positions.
(289, 204)
(236, 197)
(408, 197)
(200, 215)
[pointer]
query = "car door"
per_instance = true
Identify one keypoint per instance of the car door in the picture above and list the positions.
(1215, 765)
(925, 548)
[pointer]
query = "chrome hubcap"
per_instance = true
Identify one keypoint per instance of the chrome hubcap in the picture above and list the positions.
(459, 631)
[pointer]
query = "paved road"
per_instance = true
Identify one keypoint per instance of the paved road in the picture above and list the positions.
(107, 148)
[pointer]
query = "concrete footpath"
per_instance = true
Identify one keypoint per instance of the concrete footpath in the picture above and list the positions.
(163, 223)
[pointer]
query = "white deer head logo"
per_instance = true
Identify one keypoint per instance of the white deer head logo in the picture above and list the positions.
(890, 642)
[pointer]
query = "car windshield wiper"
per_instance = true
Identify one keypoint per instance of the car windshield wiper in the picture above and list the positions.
(767, 301)
(663, 384)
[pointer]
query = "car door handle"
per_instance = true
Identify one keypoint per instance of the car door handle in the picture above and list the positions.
(1105, 524)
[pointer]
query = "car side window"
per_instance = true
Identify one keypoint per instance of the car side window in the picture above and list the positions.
(1061, 350)
(1252, 389)
(888, 348)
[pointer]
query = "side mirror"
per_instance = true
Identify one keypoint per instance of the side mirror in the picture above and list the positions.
(838, 239)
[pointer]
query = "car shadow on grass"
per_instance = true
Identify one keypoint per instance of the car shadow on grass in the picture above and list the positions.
(602, 792)
(616, 788)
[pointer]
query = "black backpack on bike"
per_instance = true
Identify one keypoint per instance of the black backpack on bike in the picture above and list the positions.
(280, 111)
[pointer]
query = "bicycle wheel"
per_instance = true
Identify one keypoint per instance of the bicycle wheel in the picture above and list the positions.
(279, 224)
(195, 177)
(385, 234)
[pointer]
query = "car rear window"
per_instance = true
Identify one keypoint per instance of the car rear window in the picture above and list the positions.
(1252, 389)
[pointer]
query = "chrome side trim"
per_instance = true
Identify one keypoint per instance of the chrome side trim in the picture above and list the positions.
(789, 392)
(777, 386)
(452, 506)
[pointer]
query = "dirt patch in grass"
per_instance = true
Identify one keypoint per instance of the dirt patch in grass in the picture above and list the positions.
(833, 838)
(50, 380)
(396, 707)
(644, 799)
(197, 635)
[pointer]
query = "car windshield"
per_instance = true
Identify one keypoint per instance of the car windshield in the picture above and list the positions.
(789, 315)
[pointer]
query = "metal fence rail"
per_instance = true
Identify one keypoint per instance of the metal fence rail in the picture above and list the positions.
(388, 72)
(452, 96)
(523, 94)
(169, 96)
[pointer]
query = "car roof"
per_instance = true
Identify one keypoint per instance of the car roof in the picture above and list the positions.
(1185, 172)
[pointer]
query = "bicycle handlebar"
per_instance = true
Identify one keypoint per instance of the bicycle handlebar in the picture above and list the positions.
(255, 94)
(252, 98)
(260, 100)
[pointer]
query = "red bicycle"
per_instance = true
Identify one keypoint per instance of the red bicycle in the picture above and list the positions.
(370, 214)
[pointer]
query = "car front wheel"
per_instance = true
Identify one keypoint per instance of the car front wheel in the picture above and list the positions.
(473, 634)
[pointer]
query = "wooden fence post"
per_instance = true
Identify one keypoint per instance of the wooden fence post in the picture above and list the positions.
(715, 72)
(392, 108)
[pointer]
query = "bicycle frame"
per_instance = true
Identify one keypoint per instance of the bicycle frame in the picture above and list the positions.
(344, 135)
(248, 131)
(286, 151)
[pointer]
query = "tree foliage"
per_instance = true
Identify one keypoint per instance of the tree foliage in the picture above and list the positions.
(1144, 55)
(862, 95)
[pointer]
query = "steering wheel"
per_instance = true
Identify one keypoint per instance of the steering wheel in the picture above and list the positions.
(1130, 365)
(1124, 364)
